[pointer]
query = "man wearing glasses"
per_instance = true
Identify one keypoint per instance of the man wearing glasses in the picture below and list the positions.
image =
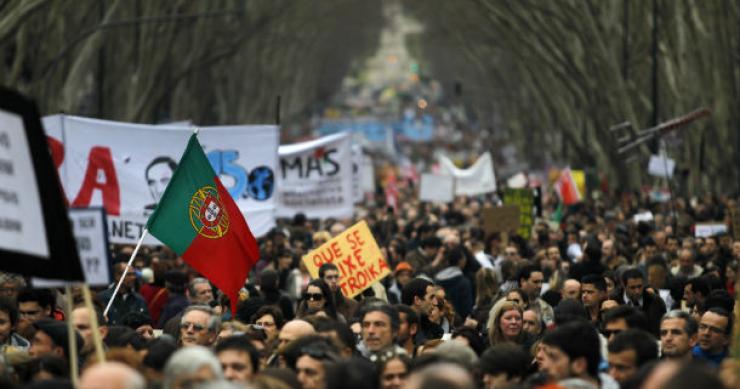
(622, 318)
(199, 326)
(715, 333)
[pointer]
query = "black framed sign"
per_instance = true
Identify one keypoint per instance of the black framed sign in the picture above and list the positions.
(35, 233)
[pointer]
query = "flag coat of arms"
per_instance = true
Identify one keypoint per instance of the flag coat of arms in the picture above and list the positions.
(197, 218)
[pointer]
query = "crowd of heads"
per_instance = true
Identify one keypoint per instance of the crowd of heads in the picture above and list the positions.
(591, 299)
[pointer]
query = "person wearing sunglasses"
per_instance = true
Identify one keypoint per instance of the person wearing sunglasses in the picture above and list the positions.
(199, 326)
(622, 318)
(318, 297)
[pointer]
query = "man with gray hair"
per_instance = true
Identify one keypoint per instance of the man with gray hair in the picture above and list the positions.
(190, 367)
(199, 326)
(199, 291)
(441, 375)
(678, 334)
(111, 375)
(10, 285)
(380, 323)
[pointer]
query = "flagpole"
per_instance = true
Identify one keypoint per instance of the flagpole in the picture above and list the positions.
(94, 325)
(71, 338)
(123, 276)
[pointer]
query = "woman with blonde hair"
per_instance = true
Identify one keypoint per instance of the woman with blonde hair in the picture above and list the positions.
(507, 325)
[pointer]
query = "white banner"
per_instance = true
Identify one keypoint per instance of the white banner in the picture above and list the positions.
(367, 179)
(363, 180)
(356, 173)
(315, 178)
(475, 180)
(125, 167)
(659, 165)
(646, 216)
(437, 188)
(89, 229)
(709, 229)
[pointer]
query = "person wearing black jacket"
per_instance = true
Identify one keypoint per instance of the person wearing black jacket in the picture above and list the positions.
(419, 295)
(633, 293)
(269, 286)
(590, 263)
(458, 288)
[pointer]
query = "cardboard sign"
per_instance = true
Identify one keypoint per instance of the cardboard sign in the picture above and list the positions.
(436, 188)
(709, 229)
(501, 219)
(524, 199)
(34, 240)
(357, 257)
(91, 233)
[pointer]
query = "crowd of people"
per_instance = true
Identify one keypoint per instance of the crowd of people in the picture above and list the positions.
(592, 299)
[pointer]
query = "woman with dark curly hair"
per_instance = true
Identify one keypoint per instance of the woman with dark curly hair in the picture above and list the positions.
(318, 297)
(393, 371)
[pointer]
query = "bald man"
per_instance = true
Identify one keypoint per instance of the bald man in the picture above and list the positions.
(571, 290)
(111, 375)
(293, 330)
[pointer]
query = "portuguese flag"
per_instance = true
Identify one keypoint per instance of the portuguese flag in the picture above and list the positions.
(197, 218)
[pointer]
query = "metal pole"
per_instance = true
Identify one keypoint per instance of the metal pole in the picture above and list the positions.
(277, 110)
(72, 339)
(669, 180)
(625, 39)
(94, 325)
(654, 56)
(123, 276)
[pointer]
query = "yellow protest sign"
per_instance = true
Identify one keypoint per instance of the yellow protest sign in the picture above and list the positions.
(356, 255)
(524, 199)
(579, 177)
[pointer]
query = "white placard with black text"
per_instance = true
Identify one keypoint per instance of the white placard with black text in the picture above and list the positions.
(90, 231)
